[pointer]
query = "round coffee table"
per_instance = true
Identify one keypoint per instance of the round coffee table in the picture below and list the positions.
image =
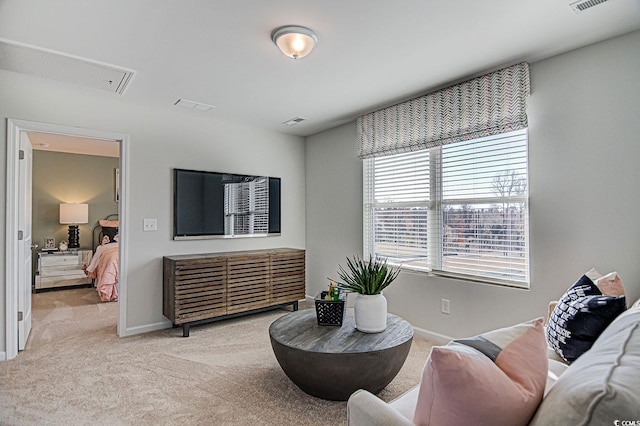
(332, 362)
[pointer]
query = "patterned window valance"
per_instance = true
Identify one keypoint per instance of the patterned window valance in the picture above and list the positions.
(492, 104)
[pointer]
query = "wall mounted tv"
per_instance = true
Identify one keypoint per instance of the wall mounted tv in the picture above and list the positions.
(224, 205)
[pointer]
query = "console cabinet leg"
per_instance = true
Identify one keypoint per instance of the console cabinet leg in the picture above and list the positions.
(185, 330)
(295, 306)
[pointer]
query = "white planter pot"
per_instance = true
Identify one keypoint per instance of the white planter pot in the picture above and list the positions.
(370, 313)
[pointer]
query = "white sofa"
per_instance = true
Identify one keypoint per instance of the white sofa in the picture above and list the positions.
(600, 387)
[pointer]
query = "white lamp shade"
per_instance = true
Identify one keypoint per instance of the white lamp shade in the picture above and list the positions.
(74, 213)
(294, 41)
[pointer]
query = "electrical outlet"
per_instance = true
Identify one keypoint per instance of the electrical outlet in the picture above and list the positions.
(150, 225)
(446, 306)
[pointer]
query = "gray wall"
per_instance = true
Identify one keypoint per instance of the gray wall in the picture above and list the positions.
(71, 178)
(583, 159)
(160, 139)
(334, 204)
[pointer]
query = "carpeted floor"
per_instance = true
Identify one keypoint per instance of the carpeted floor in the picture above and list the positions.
(76, 371)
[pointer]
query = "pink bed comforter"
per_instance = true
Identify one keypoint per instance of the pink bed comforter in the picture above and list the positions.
(106, 273)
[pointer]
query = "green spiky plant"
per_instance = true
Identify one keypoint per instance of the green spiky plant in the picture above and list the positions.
(366, 277)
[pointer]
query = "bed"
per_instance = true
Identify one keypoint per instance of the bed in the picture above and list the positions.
(103, 268)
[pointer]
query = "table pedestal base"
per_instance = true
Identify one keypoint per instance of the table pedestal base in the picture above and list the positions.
(333, 362)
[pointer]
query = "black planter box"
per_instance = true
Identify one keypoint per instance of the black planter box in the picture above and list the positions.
(330, 312)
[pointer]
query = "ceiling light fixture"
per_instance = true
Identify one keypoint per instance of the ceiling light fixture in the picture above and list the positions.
(294, 41)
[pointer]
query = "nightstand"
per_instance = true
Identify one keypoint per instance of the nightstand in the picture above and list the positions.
(62, 269)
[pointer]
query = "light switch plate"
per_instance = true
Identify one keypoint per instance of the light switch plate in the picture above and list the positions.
(446, 306)
(150, 225)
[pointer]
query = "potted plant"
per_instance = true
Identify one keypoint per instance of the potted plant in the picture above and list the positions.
(368, 280)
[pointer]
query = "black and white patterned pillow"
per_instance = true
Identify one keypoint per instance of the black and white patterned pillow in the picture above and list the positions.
(579, 318)
(110, 232)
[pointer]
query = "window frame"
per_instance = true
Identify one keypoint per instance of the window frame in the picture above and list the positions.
(435, 229)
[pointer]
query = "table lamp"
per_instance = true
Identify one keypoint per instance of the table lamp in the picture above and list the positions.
(73, 214)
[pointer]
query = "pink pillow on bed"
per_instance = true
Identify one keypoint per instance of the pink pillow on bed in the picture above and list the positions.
(497, 378)
(109, 223)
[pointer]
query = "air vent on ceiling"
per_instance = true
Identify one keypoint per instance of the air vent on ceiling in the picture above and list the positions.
(39, 62)
(294, 121)
(582, 5)
(194, 105)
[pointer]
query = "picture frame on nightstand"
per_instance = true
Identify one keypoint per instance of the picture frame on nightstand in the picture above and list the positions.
(50, 244)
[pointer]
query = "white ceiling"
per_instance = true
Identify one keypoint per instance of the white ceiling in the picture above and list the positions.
(371, 53)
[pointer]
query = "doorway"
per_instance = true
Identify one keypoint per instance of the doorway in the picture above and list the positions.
(17, 131)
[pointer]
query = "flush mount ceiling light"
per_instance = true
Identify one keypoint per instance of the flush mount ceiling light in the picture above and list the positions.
(294, 41)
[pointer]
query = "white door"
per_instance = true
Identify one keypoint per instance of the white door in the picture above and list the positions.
(24, 244)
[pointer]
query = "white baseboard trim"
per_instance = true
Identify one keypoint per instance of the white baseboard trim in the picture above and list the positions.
(131, 331)
(3, 356)
(437, 338)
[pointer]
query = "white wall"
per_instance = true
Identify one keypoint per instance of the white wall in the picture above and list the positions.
(584, 159)
(160, 139)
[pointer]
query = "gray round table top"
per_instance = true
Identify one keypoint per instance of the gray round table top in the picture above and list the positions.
(300, 330)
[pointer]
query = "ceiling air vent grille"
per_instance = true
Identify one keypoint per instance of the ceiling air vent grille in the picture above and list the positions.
(294, 121)
(582, 5)
(194, 105)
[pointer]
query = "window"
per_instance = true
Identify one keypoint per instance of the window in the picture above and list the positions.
(459, 209)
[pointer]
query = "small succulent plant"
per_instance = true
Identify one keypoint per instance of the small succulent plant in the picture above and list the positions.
(366, 277)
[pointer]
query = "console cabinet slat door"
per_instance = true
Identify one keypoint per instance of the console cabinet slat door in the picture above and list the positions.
(287, 272)
(247, 283)
(198, 289)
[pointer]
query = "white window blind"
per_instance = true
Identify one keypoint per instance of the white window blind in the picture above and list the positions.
(396, 214)
(459, 209)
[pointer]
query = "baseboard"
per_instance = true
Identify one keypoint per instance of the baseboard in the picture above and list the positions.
(437, 338)
(130, 331)
(3, 356)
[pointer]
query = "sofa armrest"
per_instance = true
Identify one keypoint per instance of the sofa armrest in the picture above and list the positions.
(366, 409)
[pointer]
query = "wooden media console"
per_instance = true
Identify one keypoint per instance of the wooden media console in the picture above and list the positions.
(214, 286)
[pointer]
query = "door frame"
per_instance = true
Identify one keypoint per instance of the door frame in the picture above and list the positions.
(14, 129)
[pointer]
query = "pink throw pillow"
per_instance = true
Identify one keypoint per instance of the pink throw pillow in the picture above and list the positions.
(109, 223)
(497, 378)
(610, 284)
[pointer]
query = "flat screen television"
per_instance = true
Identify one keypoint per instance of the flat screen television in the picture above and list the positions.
(224, 205)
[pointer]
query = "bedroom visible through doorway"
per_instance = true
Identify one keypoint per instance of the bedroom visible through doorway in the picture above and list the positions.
(75, 204)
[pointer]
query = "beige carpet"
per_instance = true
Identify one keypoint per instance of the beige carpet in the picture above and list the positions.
(76, 371)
